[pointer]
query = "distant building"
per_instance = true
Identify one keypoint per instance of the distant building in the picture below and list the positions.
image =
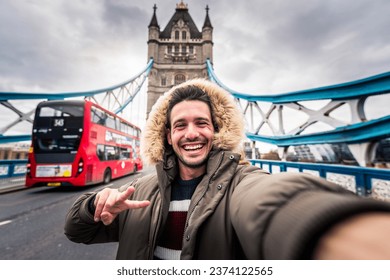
(248, 150)
(179, 51)
(271, 155)
(14, 151)
(382, 156)
(301, 153)
(343, 154)
(383, 151)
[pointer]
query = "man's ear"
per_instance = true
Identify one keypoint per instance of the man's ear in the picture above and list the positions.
(168, 134)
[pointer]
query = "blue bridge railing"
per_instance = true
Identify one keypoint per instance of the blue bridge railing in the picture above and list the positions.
(364, 181)
(13, 168)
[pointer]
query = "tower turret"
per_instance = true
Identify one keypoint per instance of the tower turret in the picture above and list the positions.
(154, 34)
(179, 51)
(207, 35)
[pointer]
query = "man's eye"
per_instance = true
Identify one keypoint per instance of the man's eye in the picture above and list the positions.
(178, 125)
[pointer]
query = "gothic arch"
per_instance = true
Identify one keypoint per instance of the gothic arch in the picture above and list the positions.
(179, 78)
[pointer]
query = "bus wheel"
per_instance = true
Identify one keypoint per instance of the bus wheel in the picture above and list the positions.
(107, 176)
(135, 168)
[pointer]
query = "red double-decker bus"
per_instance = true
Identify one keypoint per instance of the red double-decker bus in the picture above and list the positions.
(79, 143)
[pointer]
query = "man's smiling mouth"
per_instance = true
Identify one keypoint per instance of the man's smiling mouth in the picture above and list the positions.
(193, 147)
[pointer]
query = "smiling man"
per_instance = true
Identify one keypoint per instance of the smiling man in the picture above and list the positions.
(205, 201)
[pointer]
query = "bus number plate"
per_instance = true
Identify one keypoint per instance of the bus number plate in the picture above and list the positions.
(56, 184)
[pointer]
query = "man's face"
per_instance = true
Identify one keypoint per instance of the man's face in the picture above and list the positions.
(191, 133)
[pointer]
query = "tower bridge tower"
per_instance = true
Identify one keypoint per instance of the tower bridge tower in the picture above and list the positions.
(179, 51)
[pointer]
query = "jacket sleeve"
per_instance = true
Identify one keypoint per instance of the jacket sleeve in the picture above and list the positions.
(282, 216)
(80, 226)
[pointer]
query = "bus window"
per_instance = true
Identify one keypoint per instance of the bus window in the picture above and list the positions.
(60, 111)
(131, 130)
(100, 152)
(110, 121)
(56, 145)
(112, 152)
(97, 116)
(117, 124)
(125, 153)
(123, 127)
(46, 144)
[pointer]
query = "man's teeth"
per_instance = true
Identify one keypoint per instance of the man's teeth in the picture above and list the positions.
(193, 147)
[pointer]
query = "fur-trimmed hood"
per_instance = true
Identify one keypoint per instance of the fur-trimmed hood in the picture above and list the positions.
(227, 116)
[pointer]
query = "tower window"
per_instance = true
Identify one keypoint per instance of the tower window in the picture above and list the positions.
(177, 35)
(179, 78)
(164, 81)
(169, 49)
(183, 35)
(191, 49)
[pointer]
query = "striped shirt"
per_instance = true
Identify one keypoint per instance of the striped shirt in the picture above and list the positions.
(170, 244)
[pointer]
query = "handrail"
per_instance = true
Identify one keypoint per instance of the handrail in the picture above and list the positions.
(11, 168)
(364, 181)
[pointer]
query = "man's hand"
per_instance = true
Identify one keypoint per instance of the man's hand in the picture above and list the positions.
(361, 237)
(110, 202)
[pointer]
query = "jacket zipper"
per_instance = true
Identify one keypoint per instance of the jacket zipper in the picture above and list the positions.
(208, 184)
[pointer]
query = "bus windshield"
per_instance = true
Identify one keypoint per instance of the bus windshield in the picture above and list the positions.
(56, 145)
(58, 128)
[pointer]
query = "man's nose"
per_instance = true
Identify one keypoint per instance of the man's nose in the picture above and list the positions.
(192, 132)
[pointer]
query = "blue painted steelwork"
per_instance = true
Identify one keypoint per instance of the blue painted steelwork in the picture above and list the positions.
(145, 73)
(14, 138)
(354, 133)
(4, 96)
(373, 85)
(364, 177)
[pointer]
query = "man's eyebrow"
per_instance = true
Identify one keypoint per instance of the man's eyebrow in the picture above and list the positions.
(178, 120)
(203, 119)
(196, 119)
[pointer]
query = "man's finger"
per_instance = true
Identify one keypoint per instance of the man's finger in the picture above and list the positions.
(126, 194)
(107, 218)
(134, 204)
(100, 200)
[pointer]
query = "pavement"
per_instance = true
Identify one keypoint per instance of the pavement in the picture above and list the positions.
(11, 184)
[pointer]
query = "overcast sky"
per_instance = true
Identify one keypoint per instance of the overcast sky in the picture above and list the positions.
(260, 46)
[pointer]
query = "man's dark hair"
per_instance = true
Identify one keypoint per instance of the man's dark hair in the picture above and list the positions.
(189, 93)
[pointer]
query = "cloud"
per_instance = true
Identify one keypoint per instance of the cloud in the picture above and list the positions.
(301, 44)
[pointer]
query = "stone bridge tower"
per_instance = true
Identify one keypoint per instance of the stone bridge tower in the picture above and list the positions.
(179, 51)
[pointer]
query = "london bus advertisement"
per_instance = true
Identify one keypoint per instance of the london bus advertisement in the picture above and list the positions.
(79, 143)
